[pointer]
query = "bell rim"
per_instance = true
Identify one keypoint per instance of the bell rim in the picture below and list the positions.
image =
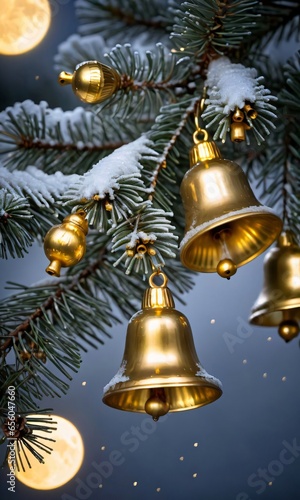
(262, 316)
(212, 224)
(112, 392)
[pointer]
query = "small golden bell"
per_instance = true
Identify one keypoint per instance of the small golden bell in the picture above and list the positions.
(238, 131)
(65, 244)
(250, 112)
(92, 81)
(238, 115)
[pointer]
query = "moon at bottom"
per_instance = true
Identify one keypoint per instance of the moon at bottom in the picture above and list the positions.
(61, 465)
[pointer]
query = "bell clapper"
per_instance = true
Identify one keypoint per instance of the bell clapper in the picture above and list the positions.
(288, 328)
(157, 405)
(226, 267)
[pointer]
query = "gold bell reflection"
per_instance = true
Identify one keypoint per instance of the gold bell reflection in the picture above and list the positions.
(226, 226)
(160, 371)
(279, 301)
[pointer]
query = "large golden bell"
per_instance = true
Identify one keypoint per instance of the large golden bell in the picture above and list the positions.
(278, 304)
(92, 81)
(160, 371)
(224, 220)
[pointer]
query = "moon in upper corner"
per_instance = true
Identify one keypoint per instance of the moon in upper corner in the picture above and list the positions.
(63, 463)
(23, 25)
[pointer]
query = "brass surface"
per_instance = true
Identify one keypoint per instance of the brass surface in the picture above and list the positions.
(160, 370)
(226, 268)
(238, 115)
(279, 300)
(288, 329)
(250, 112)
(92, 81)
(65, 244)
(217, 198)
(238, 131)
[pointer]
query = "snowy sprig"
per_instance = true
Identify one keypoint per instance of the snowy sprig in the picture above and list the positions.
(103, 178)
(146, 239)
(112, 189)
(230, 86)
(42, 188)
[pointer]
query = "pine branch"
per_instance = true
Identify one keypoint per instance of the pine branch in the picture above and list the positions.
(109, 199)
(118, 18)
(172, 139)
(148, 80)
(146, 238)
(16, 225)
(206, 28)
(277, 21)
(276, 167)
(24, 437)
(231, 87)
(33, 134)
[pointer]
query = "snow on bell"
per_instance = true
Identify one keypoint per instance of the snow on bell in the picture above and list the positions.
(278, 304)
(226, 226)
(160, 371)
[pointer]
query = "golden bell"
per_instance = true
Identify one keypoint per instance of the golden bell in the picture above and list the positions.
(65, 244)
(238, 131)
(224, 220)
(92, 81)
(250, 112)
(160, 371)
(278, 304)
(238, 115)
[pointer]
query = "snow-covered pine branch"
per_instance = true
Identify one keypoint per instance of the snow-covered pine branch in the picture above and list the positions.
(146, 239)
(34, 134)
(43, 189)
(112, 189)
(231, 86)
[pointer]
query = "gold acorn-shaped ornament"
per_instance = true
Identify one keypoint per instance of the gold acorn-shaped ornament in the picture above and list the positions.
(92, 81)
(65, 244)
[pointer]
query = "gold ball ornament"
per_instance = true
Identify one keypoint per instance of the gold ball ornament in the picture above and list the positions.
(92, 81)
(226, 268)
(65, 244)
(23, 25)
(288, 329)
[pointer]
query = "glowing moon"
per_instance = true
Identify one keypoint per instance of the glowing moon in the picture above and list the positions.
(63, 463)
(23, 25)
